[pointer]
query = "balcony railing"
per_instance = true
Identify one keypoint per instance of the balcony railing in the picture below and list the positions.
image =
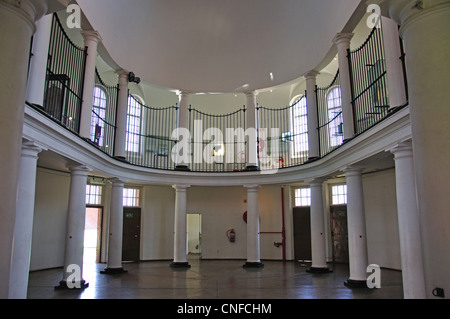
(281, 133)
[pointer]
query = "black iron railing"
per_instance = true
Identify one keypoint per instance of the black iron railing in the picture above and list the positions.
(65, 78)
(283, 136)
(370, 98)
(149, 140)
(104, 111)
(218, 142)
(329, 108)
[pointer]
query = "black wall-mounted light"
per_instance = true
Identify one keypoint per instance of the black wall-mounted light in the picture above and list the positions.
(132, 78)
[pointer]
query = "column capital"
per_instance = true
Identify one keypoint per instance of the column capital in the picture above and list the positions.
(316, 182)
(31, 149)
(28, 10)
(91, 35)
(341, 38)
(353, 170)
(251, 94)
(252, 187)
(402, 150)
(311, 75)
(405, 12)
(80, 170)
(116, 181)
(181, 188)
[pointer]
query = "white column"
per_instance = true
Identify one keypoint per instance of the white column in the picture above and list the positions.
(252, 130)
(180, 228)
(38, 63)
(313, 132)
(426, 33)
(253, 234)
(91, 39)
(356, 223)
(23, 229)
(76, 215)
(342, 41)
(114, 264)
(183, 123)
(121, 119)
(318, 243)
(409, 223)
(394, 65)
(17, 20)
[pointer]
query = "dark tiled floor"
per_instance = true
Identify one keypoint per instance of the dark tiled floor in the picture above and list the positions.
(213, 279)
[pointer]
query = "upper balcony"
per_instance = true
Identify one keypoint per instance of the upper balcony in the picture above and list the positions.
(269, 144)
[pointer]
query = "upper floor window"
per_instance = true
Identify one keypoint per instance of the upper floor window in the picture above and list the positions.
(335, 117)
(134, 124)
(300, 128)
(98, 116)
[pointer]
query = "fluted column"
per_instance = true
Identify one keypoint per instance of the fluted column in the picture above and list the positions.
(114, 264)
(91, 39)
(356, 223)
(23, 229)
(318, 244)
(121, 119)
(409, 223)
(342, 41)
(17, 25)
(313, 132)
(252, 129)
(180, 231)
(76, 218)
(253, 233)
(424, 27)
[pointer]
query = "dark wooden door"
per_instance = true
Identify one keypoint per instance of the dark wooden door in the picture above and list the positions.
(131, 234)
(339, 233)
(302, 233)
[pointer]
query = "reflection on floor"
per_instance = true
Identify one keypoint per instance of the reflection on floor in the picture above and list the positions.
(213, 279)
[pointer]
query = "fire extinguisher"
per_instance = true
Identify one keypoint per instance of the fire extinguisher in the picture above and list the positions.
(231, 234)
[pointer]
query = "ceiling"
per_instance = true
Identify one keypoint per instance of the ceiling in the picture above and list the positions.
(217, 46)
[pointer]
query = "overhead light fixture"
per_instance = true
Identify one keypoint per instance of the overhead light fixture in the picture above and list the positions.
(132, 78)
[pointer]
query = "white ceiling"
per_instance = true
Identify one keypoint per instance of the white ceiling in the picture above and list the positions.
(218, 45)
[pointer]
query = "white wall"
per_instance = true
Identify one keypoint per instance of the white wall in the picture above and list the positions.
(381, 219)
(49, 223)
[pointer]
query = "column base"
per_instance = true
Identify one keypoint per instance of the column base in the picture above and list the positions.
(350, 283)
(182, 168)
(319, 270)
(252, 168)
(76, 285)
(121, 158)
(178, 265)
(253, 265)
(312, 159)
(113, 271)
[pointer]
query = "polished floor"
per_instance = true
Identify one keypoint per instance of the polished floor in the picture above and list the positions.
(213, 279)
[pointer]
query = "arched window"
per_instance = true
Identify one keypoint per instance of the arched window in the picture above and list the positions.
(300, 128)
(98, 116)
(335, 117)
(134, 124)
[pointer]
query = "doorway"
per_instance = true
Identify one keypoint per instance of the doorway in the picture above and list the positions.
(131, 240)
(194, 234)
(302, 234)
(92, 235)
(339, 234)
